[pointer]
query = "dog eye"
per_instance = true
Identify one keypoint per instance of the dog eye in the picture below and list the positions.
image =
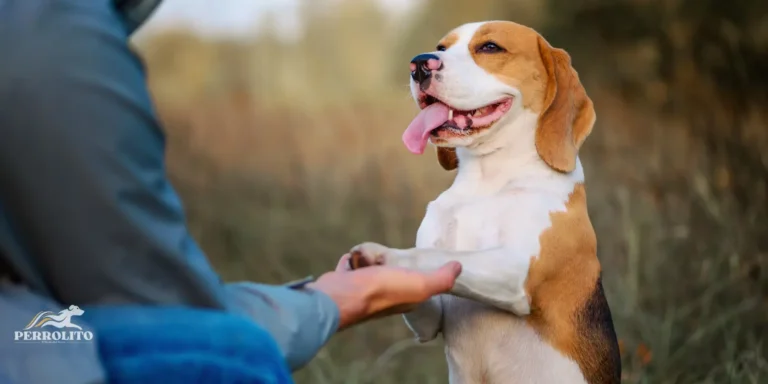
(441, 47)
(490, 47)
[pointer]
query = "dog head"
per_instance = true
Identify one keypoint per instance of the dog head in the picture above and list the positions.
(75, 310)
(484, 76)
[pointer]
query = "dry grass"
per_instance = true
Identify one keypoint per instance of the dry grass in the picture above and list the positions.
(287, 155)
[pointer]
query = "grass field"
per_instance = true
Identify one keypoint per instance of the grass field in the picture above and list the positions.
(287, 155)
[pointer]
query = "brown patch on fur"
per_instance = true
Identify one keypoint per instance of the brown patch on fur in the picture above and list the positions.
(568, 115)
(519, 65)
(448, 40)
(447, 158)
(568, 307)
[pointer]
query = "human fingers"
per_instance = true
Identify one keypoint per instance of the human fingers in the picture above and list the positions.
(395, 286)
(442, 280)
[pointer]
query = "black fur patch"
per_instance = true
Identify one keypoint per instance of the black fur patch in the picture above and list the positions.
(598, 340)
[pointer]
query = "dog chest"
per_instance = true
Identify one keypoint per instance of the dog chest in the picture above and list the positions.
(457, 224)
(468, 223)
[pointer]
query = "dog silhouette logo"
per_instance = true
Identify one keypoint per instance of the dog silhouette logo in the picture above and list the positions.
(64, 330)
(61, 320)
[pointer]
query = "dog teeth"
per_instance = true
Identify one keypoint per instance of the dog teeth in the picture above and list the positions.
(450, 114)
(476, 112)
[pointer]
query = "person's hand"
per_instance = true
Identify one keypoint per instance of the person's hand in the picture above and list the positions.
(379, 291)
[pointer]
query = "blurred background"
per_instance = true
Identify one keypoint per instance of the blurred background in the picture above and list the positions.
(284, 121)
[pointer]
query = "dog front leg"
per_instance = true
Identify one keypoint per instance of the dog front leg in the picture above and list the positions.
(494, 276)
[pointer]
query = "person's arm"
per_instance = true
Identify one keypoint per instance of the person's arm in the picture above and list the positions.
(88, 213)
(300, 320)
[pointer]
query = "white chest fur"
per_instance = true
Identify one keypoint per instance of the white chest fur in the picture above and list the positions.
(453, 224)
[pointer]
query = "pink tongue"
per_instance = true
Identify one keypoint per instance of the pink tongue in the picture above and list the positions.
(416, 135)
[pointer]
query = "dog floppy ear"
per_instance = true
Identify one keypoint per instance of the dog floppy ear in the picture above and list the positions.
(567, 115)
(447, 158)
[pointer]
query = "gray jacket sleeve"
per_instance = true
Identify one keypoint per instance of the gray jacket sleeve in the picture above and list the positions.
(87, 214)
(300, 320)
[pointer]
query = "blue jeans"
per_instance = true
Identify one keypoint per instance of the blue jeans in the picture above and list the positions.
(182, 345)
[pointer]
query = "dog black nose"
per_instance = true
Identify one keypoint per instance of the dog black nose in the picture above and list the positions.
(423, 65)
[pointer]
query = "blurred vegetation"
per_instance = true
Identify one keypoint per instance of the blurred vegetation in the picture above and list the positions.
(288, 153)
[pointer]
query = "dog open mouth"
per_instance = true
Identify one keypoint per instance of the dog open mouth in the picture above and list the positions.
(438, 119)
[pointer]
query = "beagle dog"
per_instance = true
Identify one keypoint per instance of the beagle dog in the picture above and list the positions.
(509, 111)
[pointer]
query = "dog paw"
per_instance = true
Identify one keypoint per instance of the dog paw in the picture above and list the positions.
(368, 254)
